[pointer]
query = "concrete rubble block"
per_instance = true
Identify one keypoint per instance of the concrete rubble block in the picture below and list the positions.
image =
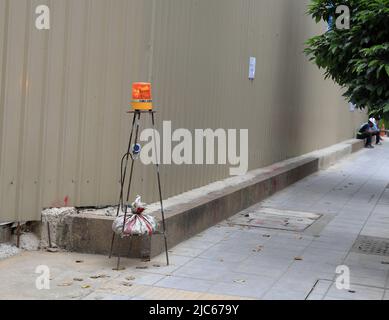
(5, 233)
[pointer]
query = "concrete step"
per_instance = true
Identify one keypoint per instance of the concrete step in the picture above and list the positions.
(195, 211)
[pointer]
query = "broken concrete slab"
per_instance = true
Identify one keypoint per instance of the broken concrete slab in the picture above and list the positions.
(5, 232)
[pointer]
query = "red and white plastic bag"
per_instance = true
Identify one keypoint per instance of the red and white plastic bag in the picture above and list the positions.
(136, 223)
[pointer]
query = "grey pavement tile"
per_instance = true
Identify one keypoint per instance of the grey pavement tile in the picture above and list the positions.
(203, 273)
(175, 260)
(317, 270)
(356, 292)
(244, 286)
(322, 287)
(106, 296)
(234, 247)
(198, 243)
(327, 298)
(359, 271)
(274, 272)
(158, 265)
(267, 261)
(323, 257)
(381, 209)
(302, 286)
(368, 281)
(320, 246)
(301, 237)
(228, 256)
(282, 294)
(265, 266)
(188, 284)
(261, 281)
(251, 235)
(212, 237)
(285, 253)
(316, 297)
(366, 261)
(330, 237)
(206, 269)
(288, 243)
(182, 250)
(326, 252)
(298, 276)
(138, 277)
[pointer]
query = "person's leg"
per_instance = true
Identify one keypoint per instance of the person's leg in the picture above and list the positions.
(378, 137)
(368, 137)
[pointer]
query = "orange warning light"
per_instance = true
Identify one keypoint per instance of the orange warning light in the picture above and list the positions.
(141, 96)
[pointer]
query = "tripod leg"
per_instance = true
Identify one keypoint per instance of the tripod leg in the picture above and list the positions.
(131, 175)
(133, 161)
(160, 191)
(123, 179)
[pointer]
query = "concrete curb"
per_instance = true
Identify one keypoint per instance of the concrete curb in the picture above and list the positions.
(193, 212)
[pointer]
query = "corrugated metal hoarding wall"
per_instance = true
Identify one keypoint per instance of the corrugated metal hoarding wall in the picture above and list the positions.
(64, 92)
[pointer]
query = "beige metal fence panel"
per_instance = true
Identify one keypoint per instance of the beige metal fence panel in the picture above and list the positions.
(64, 92)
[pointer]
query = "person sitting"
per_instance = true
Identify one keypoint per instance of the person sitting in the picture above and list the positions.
(376, 132)
(366, 132)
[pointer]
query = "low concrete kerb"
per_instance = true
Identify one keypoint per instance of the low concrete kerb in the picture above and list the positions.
(193, 212)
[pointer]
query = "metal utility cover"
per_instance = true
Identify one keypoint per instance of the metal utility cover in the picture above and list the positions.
(272, 218)
(371, 245)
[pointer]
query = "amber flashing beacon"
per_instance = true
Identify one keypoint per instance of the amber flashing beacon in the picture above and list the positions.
(141, 96)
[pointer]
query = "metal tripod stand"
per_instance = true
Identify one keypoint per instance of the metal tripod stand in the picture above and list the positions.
(124, 168)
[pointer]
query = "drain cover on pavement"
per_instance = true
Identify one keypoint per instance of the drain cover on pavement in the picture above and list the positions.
(371, 245)
(275, 219)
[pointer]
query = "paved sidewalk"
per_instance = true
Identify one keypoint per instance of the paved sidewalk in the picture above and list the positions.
(229, 261)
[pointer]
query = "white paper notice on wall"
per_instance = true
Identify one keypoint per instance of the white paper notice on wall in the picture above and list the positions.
(252, 66)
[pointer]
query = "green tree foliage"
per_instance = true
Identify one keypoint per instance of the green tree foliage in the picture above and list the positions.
(356, 58)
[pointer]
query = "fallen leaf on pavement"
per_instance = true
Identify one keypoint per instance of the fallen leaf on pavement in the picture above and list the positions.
(65, 284)
(298, 258)
(99, 276)
(120, 269)
(142, 267)
(258, 248)
(87, 286)
(130, 278)
(78, 279)
(79, 261)
(156, 266)
(240, 281)
(127, 284)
